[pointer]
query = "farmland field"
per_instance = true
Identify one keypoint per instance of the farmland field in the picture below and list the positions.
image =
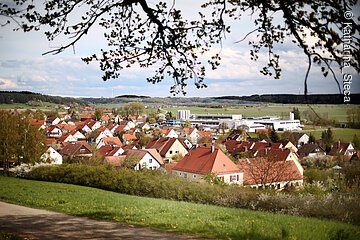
(335, 112)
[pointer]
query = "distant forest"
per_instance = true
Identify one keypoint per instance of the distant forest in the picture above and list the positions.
(296, 99)
(7, 97)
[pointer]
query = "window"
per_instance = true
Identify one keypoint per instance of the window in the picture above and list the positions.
(234, 178)
(194, 176)
(170, 152)
(150, 160)
(185, 175)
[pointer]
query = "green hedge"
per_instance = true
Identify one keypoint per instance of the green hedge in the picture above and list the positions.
(157, 184)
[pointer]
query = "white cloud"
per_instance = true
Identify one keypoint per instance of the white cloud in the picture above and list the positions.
(7, 84)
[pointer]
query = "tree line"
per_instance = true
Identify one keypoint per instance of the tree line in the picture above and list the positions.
(8, 97)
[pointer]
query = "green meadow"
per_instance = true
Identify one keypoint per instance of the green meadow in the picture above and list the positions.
(195, 219)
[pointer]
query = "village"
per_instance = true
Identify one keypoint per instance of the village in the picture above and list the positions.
(194, 147)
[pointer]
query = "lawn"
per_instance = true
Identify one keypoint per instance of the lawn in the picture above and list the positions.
(197, 219)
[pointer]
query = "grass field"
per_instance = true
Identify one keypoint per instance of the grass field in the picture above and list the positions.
(336, 112)
(196, 219)
(343, 134)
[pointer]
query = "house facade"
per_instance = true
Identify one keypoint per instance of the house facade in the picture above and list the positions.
(202, 161)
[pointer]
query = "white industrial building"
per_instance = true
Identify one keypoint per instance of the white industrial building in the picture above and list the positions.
(250, 124)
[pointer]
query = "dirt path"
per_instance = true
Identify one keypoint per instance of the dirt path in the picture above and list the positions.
(41, 224)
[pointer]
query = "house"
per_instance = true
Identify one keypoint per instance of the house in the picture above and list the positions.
(264, 172)
(343, 149)
(115, 161)
(110, 151)
(277, 154)
(52, 156)
(109, 141)
(82, 127)
(169, 133)
(146, 159)
(144, 126)
(128, 138)
(40, 124)
(104, 132)
(300, 138)
(192, 134)
(238, 135)
(92, 124)
(53, 132)
(311, 150)
(78, 135)
(168, 147)
(52, 120)
(84, 117)
(288, 144)
(76, 149)
(67, 138)
(202, 161)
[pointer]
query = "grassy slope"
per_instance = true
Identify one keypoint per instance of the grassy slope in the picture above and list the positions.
(203, 220)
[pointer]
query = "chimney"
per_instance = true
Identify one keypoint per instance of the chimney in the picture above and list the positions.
(338, 144)
(212, 148)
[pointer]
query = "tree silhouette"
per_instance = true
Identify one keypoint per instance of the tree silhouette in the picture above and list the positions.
(140, 33)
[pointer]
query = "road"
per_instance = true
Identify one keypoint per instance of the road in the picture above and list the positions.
(41, 224)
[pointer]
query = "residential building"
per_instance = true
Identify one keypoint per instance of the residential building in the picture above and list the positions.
(202, 161)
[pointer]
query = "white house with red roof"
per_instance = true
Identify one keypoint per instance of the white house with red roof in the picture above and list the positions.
(53, 132)
(104, 132)
(52, 156)
(169, 132)
(109, 141)
(192, 134)
(147, 159)
(201, 161)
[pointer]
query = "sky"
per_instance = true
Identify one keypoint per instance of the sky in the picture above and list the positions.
(24, 68)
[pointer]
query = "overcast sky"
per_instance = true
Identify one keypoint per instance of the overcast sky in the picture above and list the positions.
(22, 67)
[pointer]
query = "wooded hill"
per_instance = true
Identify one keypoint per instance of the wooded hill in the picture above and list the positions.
(7, 97)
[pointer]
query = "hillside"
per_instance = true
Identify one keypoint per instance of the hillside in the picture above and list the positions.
(7, 97)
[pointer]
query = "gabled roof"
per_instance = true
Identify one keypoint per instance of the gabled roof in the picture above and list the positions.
(72, 149)
(298, 135)
(274, 154)
(156, 155)
(306, 149)
(205, 133)
(263, 170)
(108, 150)
(204, 160)
(162, 145)
(37, 122)
(188, 131)
(129, 137)
(114, 141)
(115, 161)
(339, 148)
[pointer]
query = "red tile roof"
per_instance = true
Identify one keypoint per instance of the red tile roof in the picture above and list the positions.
(37, 122)
(108, 150)
(265, 171)
(162, 145)
(115, 141)
(203, 160)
